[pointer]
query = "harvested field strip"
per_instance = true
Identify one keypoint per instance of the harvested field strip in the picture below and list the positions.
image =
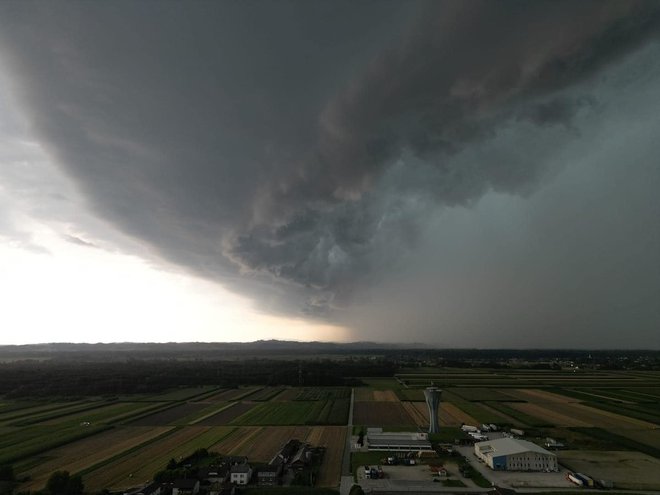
(25, 412)
(476, 410)
(385, 396)
(244, 441)
(647, 437)
(650, 414)
(183, 393)
(323, 393)
(608, 419)
(628, 470)
(154, 408)
(24, 443)
(239, 440)
(381, 413)
(333, 438)
(227, 414)
(335, 412)
(411, 394)
(418, 417)
(212, 411)
(450, 415)
(554, 417)
(236, 393)
(141, 464)
(169, 416)
(622, 441)
(101, 415)
(480, 394)
(539, 396)
(282, 413)
(58, 413)
(633, 395)
(263, 445)
(77, 456)
(287, 394)
(518, 416)
(266, 394)
(364, 394)
(382, 383)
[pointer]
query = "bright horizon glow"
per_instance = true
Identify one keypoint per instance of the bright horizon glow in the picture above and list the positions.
(85, 294)
(67, 276)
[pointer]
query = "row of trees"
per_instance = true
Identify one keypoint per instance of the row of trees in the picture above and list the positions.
(60, 378)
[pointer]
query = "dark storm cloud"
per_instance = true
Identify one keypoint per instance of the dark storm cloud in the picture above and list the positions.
(293, 150)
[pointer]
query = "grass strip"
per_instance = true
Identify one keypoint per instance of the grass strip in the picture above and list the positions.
(51, 443)
(128, 451)
(525, 418)
(621, 441)
(60, 413)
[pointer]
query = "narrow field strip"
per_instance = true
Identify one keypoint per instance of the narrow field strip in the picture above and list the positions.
(77, 456)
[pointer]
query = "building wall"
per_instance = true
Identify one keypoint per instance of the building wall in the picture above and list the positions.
(531, 461)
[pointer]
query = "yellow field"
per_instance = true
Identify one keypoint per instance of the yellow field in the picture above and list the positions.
(333, 438)
(450, 415)
(385, 396)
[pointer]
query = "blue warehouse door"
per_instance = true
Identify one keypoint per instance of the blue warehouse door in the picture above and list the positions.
(499, 462)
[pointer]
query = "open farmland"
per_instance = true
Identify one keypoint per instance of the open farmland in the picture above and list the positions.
(101, 415)
(140, 465)
(281, 413)
(22, 442)
(170, 416)
(333, 438)
(381, 414)
(259, 443)
(628, 470)
(227, 414)
(77, 456)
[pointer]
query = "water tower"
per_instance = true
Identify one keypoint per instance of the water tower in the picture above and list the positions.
(432, 395)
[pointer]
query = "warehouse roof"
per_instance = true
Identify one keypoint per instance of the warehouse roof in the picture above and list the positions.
(508, 446)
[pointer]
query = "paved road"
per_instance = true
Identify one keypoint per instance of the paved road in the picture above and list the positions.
(346, 475)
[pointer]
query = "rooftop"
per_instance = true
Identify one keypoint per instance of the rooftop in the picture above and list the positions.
(508, 446)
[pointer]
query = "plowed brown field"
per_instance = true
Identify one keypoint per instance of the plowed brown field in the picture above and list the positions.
(380, 414)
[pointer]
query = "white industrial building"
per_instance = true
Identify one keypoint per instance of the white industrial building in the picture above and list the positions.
(511, 454)
(378, 440)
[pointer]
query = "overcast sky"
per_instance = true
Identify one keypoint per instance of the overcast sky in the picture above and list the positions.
(459, 173)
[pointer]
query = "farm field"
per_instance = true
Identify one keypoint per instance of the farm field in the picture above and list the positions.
(381, 414)
(628, 470)
(129, 440)
(227, 414)
(83, 454)
(140, 465)
(170, 416)
(295, 413)
(333, 438)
